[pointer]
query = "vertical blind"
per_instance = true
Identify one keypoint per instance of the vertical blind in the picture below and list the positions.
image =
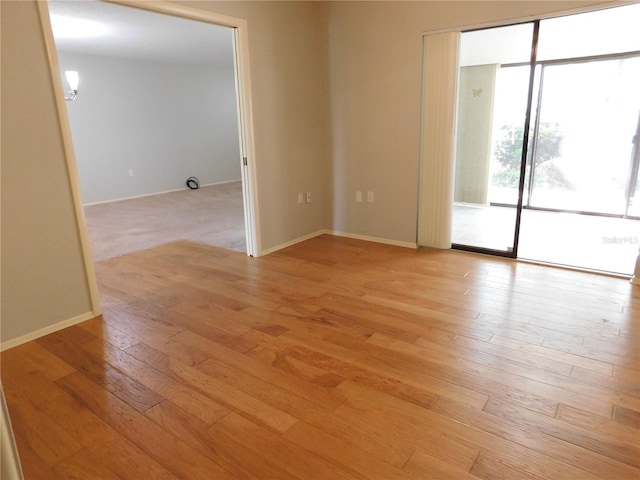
(440, 81)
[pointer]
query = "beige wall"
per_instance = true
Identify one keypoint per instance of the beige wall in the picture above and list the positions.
(43, 274)
(336, 102)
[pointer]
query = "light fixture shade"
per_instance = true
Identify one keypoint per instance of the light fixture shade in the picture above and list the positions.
(73, 79)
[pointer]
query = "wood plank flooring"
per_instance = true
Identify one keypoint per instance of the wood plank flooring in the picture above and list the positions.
(335, 359)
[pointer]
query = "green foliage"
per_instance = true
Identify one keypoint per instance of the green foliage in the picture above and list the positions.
(507, 178)
(508, 152)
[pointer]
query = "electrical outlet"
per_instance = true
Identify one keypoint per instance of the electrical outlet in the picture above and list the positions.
(300, 197)
(370, 196)
(131, 172)
(308, 197)
(358, 196)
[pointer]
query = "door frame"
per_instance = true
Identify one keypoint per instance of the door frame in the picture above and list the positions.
(512, 252)
(245, 122)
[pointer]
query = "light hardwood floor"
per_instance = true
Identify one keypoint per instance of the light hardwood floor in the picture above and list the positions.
(335, 359)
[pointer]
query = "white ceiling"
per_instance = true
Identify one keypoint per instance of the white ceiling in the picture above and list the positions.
(121, 31)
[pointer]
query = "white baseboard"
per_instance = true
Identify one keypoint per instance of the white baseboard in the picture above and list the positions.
(158, 193)
(46, 331)
(367, 238)
(292, 242)
(355, 236)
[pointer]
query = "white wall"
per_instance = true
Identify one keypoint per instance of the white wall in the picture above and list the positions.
(166, 122)
(476, 95)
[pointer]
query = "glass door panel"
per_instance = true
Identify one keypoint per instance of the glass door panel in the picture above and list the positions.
(512, 90)
(583, 136)
(492, 110)
(601, 32)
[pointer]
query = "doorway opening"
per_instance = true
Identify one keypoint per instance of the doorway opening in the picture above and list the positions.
(547, 142)
(162, 97)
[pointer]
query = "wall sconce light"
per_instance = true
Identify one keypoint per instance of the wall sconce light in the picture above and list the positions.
(72, 79)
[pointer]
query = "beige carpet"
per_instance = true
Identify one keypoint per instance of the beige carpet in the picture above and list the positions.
(210, 215)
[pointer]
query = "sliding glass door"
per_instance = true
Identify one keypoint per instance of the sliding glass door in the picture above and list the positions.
(582, 173)
(583, 135)
(493, 103)
(548, 126)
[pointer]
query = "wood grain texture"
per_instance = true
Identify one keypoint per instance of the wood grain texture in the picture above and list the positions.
(335, 359)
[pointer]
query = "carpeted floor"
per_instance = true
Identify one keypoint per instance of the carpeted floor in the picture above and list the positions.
(210, 215)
